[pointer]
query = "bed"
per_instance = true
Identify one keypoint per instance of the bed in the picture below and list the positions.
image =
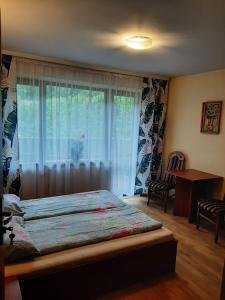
(88, 251)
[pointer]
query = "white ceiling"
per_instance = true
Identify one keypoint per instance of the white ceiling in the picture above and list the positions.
(188, 35)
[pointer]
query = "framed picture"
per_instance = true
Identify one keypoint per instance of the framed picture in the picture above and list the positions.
(211, 114)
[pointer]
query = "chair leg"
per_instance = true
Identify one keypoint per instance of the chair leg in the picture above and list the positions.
(219, 221)
(217, 230)
(198, 219)
(165, 198)
(149, 195)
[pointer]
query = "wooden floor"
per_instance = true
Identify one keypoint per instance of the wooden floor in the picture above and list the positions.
(199, 261)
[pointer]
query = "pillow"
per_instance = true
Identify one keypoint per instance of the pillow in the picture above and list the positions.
(17, 220)
(11, 197)
(22, 247)
(11, 204)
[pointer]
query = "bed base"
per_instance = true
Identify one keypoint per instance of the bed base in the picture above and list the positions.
(94, 279)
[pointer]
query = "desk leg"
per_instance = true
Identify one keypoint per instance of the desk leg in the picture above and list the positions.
(197, 191)
(187, 194)
(183, 197)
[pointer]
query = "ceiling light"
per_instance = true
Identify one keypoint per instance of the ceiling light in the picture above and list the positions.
(139, 42)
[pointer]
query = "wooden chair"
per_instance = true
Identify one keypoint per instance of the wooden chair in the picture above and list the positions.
(161, 187)
(213, 211)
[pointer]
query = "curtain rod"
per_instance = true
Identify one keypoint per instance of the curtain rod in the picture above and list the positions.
(79, 65)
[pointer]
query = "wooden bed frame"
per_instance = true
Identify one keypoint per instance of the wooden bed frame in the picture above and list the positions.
(61, 276)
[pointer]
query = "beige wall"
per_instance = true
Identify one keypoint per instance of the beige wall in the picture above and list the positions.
(205, 152)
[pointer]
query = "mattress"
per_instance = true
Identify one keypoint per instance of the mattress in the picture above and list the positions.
(68, 204)
(74, 230)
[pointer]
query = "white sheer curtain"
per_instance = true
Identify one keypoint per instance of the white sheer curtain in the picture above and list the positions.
(78, 129)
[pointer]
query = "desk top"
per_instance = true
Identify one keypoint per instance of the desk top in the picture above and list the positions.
(194, 175)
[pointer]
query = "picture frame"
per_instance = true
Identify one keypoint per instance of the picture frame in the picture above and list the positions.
(211, 116)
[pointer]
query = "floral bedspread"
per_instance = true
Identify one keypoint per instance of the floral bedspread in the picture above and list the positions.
(68, 204)
(69, 231)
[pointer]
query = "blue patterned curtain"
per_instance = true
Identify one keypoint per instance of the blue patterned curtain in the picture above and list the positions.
(151, 131)
(11, 177)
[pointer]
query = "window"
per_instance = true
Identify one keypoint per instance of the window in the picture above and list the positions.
(67, 121)
(70, 123)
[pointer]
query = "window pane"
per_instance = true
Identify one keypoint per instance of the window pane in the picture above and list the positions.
(123, 136)
(74, 120)
(28, 126)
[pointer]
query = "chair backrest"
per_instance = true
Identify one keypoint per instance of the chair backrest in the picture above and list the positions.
(176, 161)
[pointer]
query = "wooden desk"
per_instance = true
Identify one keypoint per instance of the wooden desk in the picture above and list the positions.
(190, 186)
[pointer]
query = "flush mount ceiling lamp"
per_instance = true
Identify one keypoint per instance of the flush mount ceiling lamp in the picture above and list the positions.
(139, 42)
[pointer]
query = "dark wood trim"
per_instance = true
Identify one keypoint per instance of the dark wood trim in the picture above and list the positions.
(222, 295)
(96, 278)
(12, 289)
(2, 275)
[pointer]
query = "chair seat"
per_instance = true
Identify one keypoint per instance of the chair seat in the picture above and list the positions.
(157, 185)
(212, 206)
